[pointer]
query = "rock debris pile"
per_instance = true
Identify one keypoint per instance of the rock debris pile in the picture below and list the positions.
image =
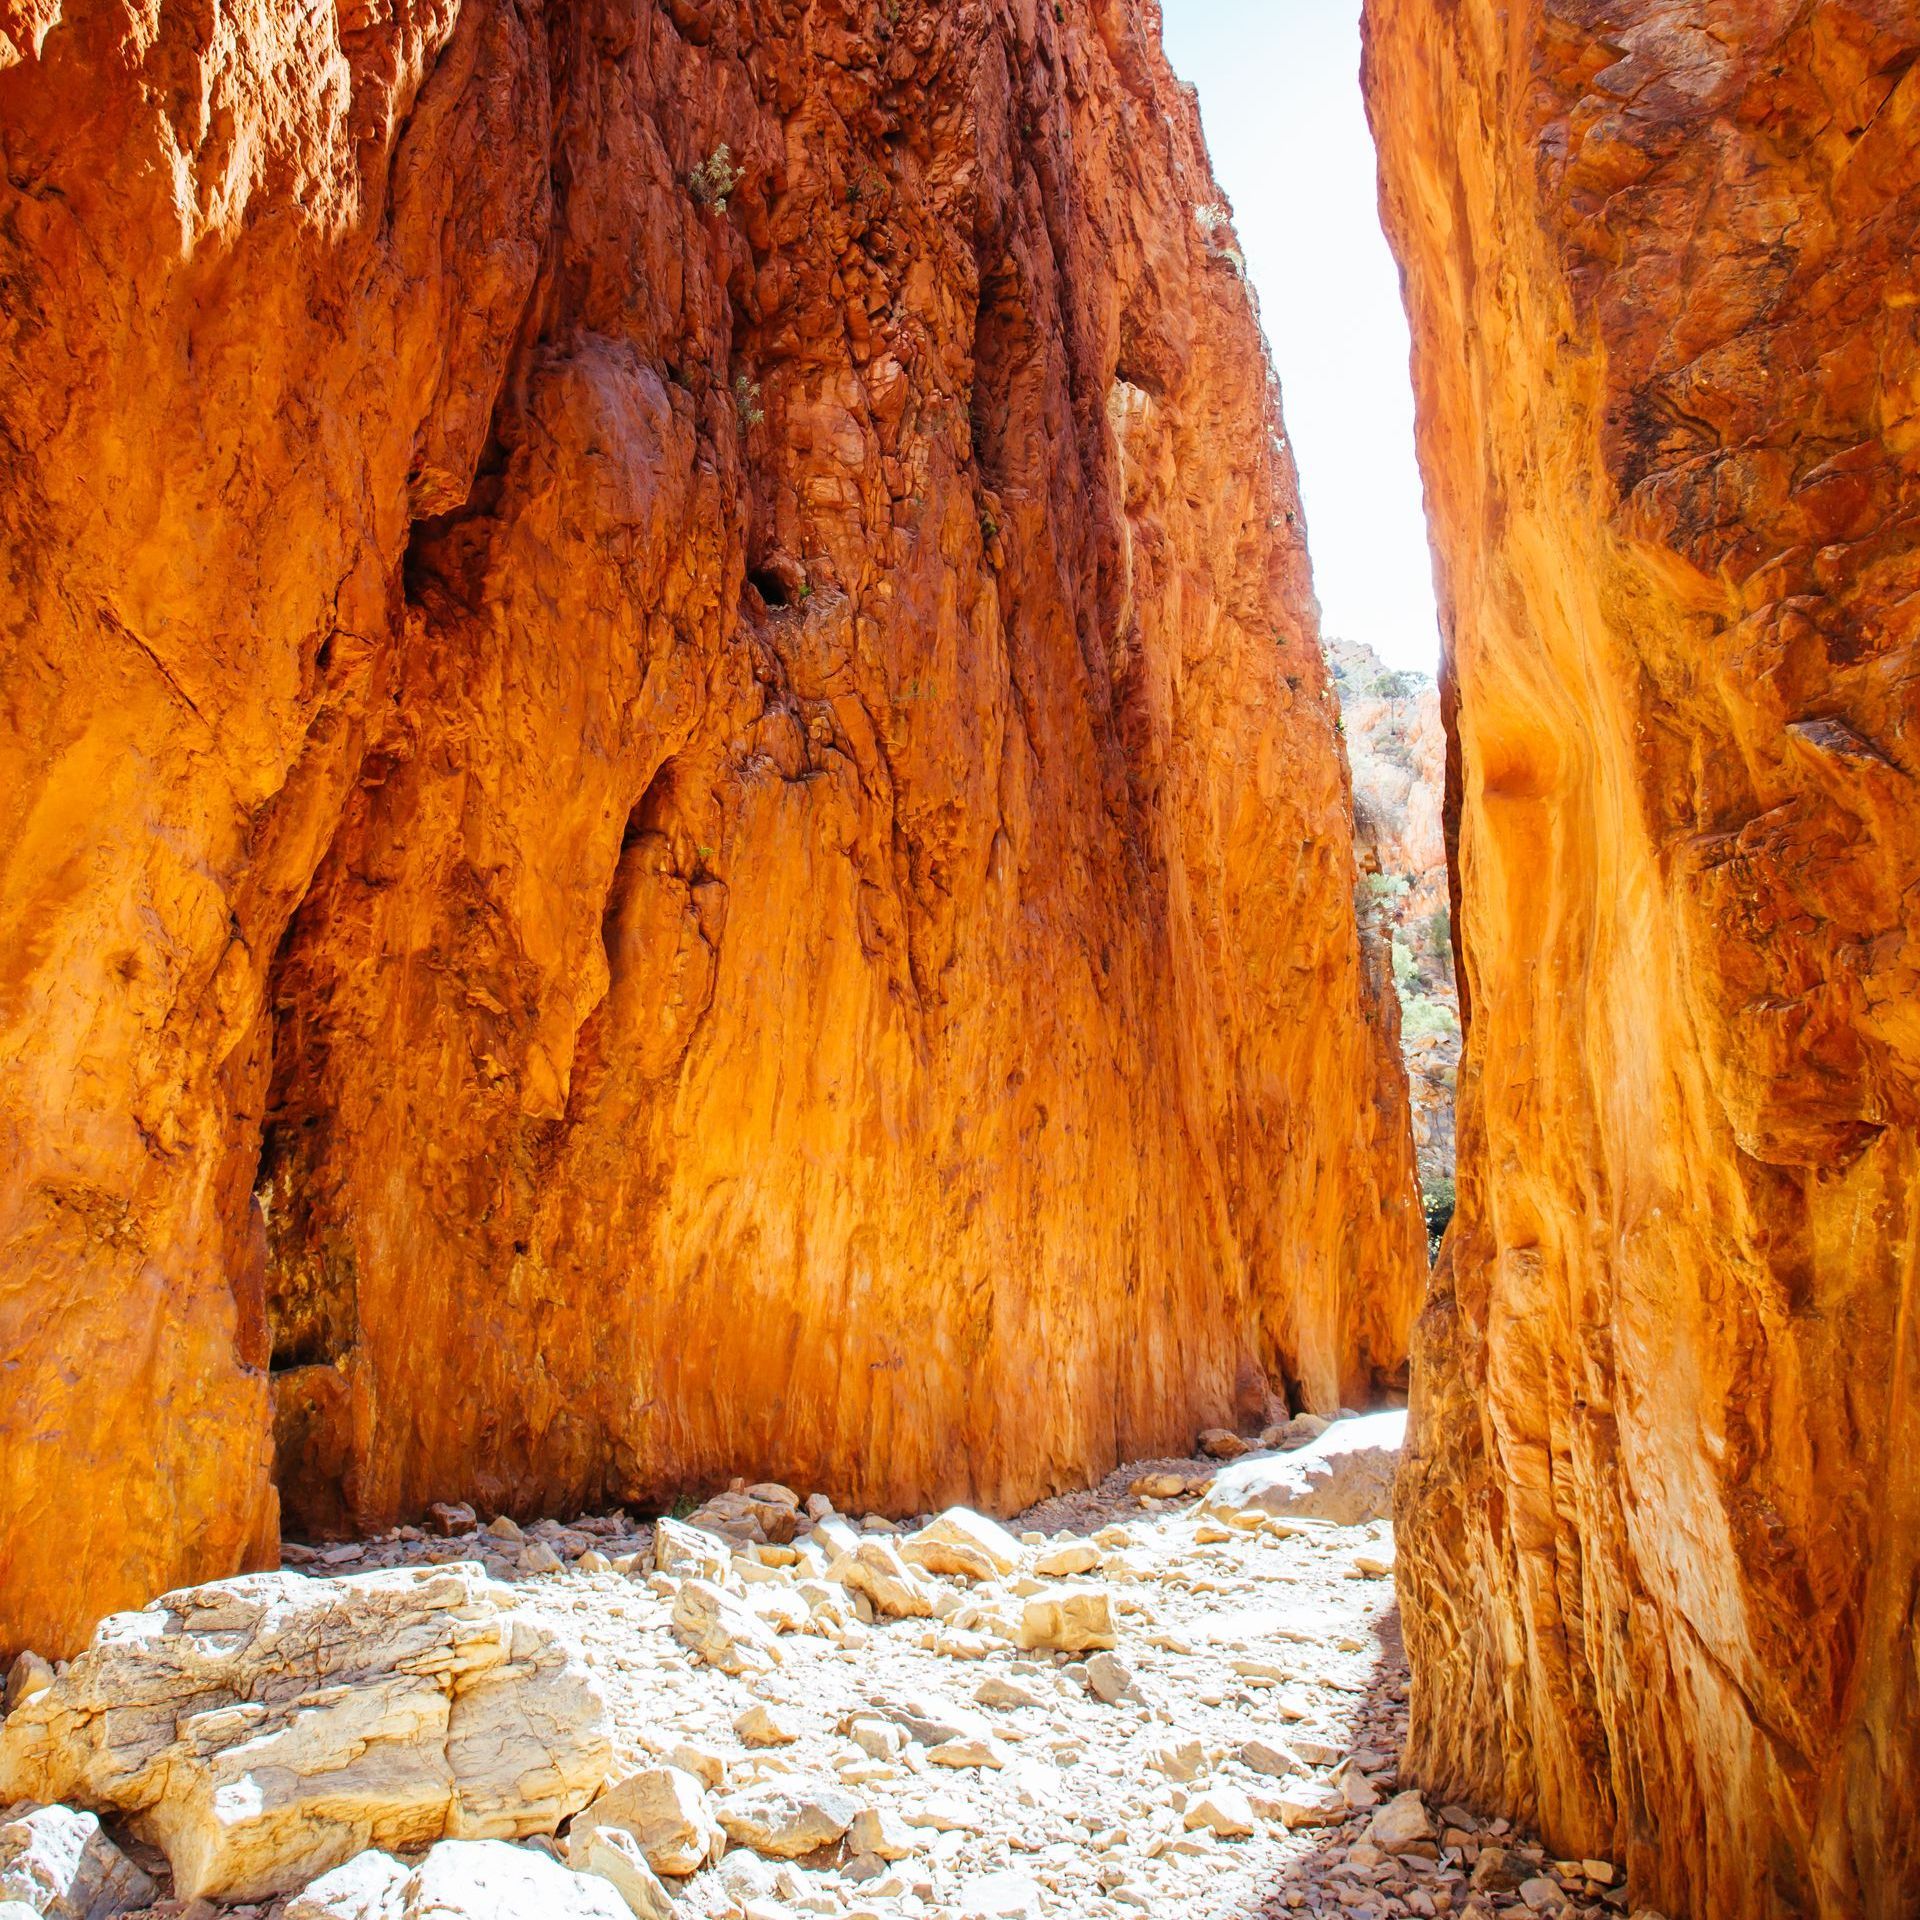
(1180, 1693)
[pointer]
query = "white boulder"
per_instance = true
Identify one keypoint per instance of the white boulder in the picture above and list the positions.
(264, 1729)
(1345, 1476)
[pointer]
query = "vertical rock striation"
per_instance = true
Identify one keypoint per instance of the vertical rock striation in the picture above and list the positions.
(672, 805)
(1661, 1526)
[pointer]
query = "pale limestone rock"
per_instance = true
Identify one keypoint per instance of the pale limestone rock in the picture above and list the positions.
(996, 1692)
(1001, 1896)
(969, 1753)
(1222, 1811)
(264, 1729)
(489, 1880)
(1110, 1680)
(687, 1553)
(1068, 1559)
(881, 1832)
(1068, 1620)
(767, 1726)
(964, 1545)
(787, 1819)
(1311, 1803)
(665, 1810)
(367, 1887)
(722, 1631)
(1345, 1476)
(876, 1570)
(706, 1764)
(58, 1862)
(616, 1856)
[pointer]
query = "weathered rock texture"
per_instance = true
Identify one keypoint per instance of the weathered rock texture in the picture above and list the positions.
(1661, 1525)
(264, 1729)
(671, 803)
(1396, 750)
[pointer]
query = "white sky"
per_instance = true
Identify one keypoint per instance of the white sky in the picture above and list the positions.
(1279, 85)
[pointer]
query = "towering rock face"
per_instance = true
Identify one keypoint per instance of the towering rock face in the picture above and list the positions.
(671, 803)
(1661, 1529)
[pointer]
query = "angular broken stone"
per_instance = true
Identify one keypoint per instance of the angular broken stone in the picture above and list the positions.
(537, 1557)
(59, 1864)
(367, 1887)
(1217, 1443)
(876, 1570)
(489, 1880)
(995, 1692)
(28, 1675)
(963, 1545)
(616, 1857)
(665, 1810)
(767, 1726)
(722, 1631)
(1311, 1803)
(1345, 1476)
(881, 1832)
(1068, 1620)
(787, 1819)
(969, 1753)
(1001, 1896)
(450, 1517)
(264, 1729)
(1222, 1811)
(1263, 1756)
(1109, 1680)
(687, 1553)
(1067, 1559)
(1400, 1824)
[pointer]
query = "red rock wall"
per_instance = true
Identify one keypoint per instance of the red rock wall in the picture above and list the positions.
(670, 813)
(1660, 1531)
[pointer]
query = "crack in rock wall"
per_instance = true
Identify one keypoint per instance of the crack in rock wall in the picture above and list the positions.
(1660, 1524)
(672, 804)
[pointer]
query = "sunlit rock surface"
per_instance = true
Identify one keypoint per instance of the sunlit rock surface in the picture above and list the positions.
(672, 808)
(1660, 1529)
(1396, 749)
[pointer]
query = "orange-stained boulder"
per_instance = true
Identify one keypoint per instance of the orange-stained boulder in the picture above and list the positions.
(672, 807)
(1660, 1528)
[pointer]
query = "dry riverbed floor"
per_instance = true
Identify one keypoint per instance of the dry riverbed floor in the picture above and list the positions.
(1232, 1758)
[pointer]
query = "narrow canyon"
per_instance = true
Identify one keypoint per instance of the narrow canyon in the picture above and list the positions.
(716, 1020)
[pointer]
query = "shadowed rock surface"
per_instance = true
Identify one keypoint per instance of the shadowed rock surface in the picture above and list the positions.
(1660, 1524)
(673, 808)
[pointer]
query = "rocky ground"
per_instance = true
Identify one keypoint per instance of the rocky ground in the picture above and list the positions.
(1232, 1753)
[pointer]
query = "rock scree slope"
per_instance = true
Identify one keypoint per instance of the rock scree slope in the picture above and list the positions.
(671, 804)
(1660, 1522)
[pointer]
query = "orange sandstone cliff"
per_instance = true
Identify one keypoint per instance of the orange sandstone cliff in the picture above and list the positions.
(670, 804)
(1660, 1527)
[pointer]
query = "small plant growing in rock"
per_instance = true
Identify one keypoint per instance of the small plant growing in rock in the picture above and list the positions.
(715, 178)
(746, 401)
(989, 528)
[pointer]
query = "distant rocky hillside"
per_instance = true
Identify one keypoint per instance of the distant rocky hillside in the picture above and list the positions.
(1398, 753)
